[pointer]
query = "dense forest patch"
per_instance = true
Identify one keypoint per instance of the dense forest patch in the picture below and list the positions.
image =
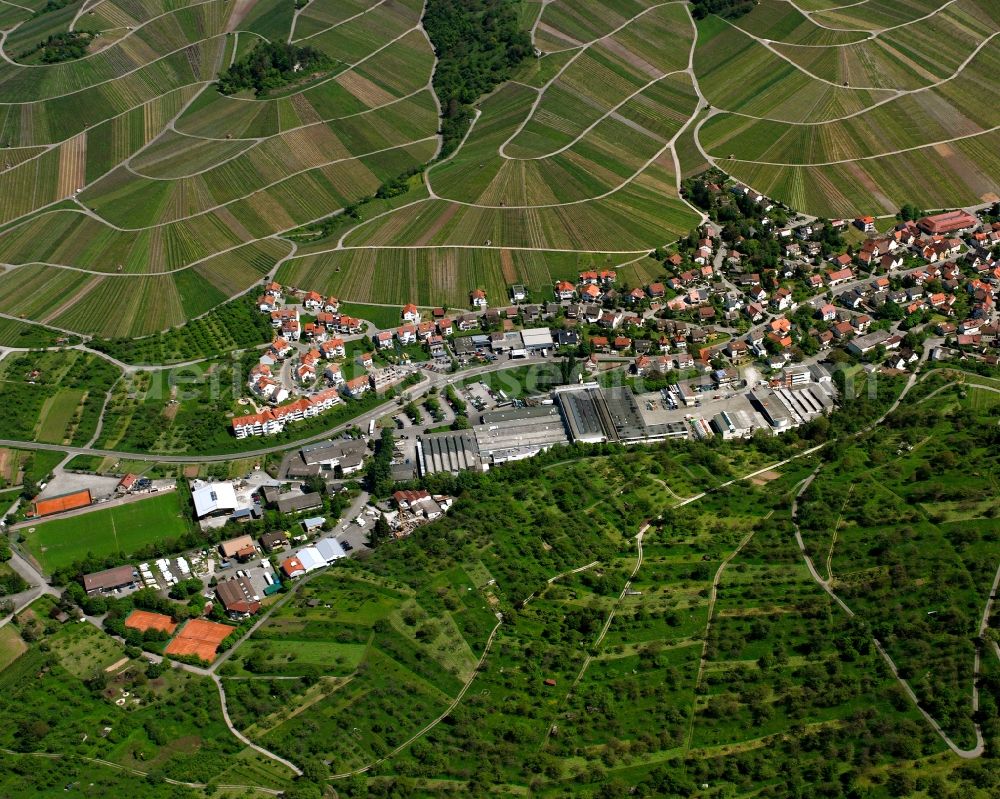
(478, 43)
(271, 65)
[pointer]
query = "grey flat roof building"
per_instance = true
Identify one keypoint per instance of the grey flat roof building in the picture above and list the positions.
(449, 452)
(332, 451)
(325, 456)
(585, 413)
(110, 579)
(806, 403)
(767, 402)
(515, 433)
(300, 502)
(625, 414)
(537, 338)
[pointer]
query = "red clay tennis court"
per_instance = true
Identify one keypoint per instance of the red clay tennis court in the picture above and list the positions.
(63, 502)
(199, 638)
(143, 620)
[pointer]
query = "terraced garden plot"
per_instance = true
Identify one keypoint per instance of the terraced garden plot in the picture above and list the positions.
(591, 165)
(266, 167)
(270, 19)
(632, 220)
(595, 83)
(12, 646)
(318, 17)
(137, 305)
(15, 333)
(430, 276)
(538, 72)
(876, 14)
(947, 175)
(181, 707)
(912, 120)
(771, 87)
(400, 69)
(781, 22)
(602, 158)
(366, 629)
(54, 397)
(577, 22)
(357, 38)
(940, 577)
(115, 97)
(174, 155)
(906, 58)
(20, 84)
(13, 15)
(56, 416)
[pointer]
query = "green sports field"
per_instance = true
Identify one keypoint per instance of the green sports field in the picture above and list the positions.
(124, 528)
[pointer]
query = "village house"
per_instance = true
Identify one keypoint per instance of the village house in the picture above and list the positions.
(282, 315)
(349, 325)
(590, 293)
(866, 224)
(313, 301)
(333, 374)
(407, 334)
(836, 277)
(238, 597)
(477, 298)
(436, 346)
(736, 351)
(357, 387)
(333, 348)
(467, 322)
(411, 313)
(564, 290)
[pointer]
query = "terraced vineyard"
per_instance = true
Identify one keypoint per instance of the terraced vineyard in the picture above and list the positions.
(134, 195)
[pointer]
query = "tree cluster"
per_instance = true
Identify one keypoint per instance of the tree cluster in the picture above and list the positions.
(727, 9)
(478, 43)
(58, 47)
(271, 65)
(378, 473)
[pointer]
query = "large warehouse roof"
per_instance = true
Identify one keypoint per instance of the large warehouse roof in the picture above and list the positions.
(212, 498)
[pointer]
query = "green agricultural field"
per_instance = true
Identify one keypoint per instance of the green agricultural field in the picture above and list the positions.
(136, 196)
(122, 530)
(759, 638)
(35, 466)
(170, 726)
(608, 669)
(56, 416)
(235, 325)
(381, 316)
(187, 409)
(12, 646)
(55, 397)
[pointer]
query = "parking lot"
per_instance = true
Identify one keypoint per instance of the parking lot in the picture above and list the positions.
(254, 571)
(479, 396)
(659, 409)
